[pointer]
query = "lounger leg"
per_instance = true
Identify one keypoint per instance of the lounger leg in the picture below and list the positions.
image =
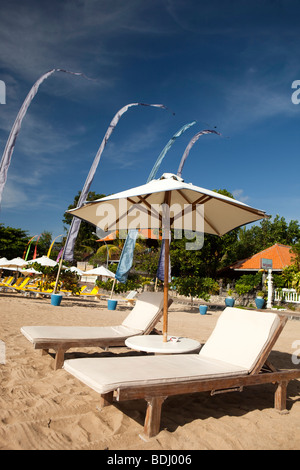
(153, 415)
(59, 358)
(280, 396)
(106, 399)
(45, 352)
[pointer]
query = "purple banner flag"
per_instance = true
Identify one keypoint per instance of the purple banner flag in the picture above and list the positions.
(11, 141)
(75, 225)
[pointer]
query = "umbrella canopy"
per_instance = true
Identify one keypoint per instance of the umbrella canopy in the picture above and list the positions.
(168, 202)
(221, 213)
(78, 271)
(100, 271)
(14, 263)
(30, 271)
(43, 260)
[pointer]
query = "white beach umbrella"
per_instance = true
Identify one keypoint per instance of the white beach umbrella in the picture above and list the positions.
(2, 260)
(14, 263)
(30, 271)
(168, 203)
(43, 260)
(100, 271)
(78, 271)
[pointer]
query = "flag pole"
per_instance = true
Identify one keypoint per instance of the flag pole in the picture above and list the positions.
(113, 286)
(58, 274)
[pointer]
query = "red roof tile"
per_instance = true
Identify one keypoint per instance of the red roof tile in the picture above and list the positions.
(280, 254)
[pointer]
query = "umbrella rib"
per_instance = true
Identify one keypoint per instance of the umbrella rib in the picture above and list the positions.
(193, 205)
(232, 203)
(148, 205)
(150, 212)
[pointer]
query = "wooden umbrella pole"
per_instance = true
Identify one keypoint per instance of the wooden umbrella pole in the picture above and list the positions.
(166, 232)
(166, 290)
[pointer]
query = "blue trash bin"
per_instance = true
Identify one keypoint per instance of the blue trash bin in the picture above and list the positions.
(111, 304)
(229, 302)
(203, 309)
(56, 299)
(259, 302)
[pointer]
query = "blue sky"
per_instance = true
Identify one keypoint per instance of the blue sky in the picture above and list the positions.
(229, 65)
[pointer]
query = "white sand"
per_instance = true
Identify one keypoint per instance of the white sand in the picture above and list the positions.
(45, 409)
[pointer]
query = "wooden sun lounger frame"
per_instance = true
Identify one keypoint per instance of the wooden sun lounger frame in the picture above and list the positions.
(61, 346)
(263, 372)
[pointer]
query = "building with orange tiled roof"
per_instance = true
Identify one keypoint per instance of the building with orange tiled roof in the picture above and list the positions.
(279, 254)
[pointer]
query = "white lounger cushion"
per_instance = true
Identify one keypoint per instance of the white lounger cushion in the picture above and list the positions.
(145, 309)
(107, 374)
(232, 349)
(240, 336)
(72, 333)
(147, 306)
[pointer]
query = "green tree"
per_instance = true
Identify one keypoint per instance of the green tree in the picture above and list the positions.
(259, 237)
(193, 286)
(13, 242)
(215, 253)
(295, 251)
(68, 280)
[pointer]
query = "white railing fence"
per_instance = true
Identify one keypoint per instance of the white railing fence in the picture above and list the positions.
(286, 295)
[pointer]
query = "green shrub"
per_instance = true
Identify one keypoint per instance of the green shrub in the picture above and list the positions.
(200, 287)
(247, 283)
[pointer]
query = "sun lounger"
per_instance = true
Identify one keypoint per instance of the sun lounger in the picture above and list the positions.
(130, 297)
(19, 285)
(11, 283)
(94, 293)
(235, 356)
(141, 320)
(7, 281)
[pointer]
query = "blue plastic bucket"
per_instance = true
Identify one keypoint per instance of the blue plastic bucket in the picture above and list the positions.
(229, 302)
(259, 302)
(203, 309)
(56, 299)
(111, 304)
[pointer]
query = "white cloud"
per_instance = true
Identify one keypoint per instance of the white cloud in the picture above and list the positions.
(13, 196)
(240, 196)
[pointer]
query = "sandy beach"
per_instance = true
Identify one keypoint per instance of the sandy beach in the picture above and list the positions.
(43, 409)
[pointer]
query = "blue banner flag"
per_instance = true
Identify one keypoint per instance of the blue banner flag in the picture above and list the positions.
(126, 258)
(75, 225)
(166, 149)
(161, 264)
(150, 178)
